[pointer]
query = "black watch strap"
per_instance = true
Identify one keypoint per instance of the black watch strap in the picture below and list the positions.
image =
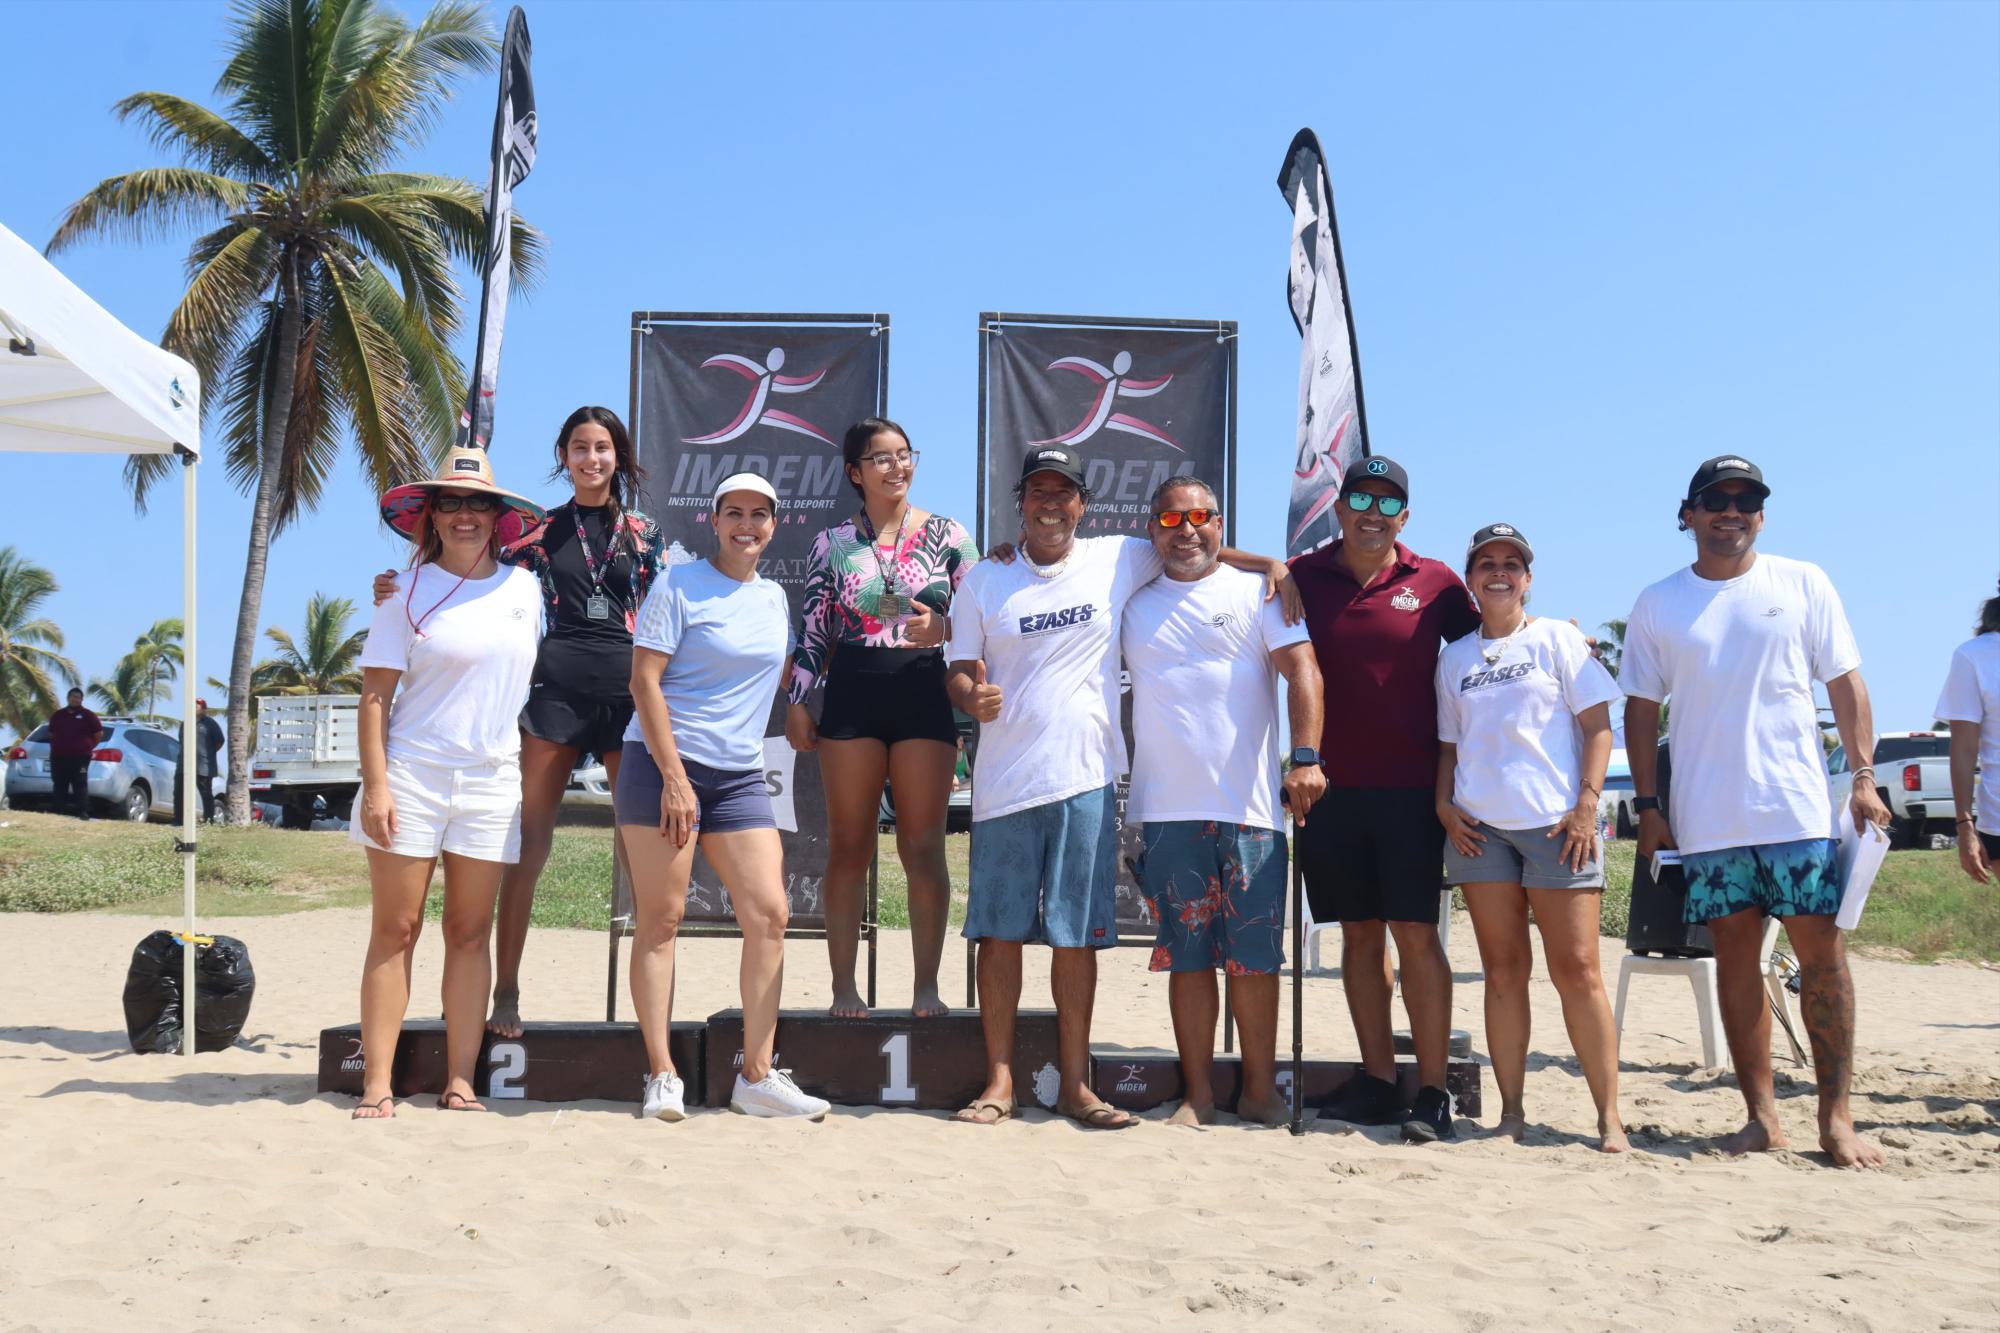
(1641, 804)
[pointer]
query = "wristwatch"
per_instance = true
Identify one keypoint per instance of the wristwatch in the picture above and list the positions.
(1305, 756)
(1641, 804)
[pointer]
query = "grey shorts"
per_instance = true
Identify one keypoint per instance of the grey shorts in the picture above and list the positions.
(1527, 856)
(728, 802)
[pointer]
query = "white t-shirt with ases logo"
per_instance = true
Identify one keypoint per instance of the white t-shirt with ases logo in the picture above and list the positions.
(1514, 721)
(1738, 658)
(1051, 645)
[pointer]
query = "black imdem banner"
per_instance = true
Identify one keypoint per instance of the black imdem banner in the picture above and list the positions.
(715, 394)
(1140, 400)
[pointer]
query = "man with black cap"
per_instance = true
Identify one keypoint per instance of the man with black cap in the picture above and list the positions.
(1034, 657)
(1373, 851)
(1736, 641)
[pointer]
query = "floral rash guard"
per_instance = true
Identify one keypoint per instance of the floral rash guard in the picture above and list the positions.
(640, 553)
(842, 579)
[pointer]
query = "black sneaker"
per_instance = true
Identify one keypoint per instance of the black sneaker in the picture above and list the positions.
(1430, 1118)
(1367, 1100)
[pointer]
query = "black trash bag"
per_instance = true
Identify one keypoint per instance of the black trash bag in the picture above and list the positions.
(224, 986)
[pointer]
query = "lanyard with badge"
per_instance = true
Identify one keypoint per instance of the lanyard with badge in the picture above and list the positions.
(597, 606)
(888, 605)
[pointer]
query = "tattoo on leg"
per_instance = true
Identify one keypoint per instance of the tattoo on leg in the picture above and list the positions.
(1827, 1005)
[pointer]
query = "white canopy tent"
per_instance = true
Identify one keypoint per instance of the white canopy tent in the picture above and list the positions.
(75, 380)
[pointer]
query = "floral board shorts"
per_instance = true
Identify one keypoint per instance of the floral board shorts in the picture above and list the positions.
(1218, 892)
(1778, 879)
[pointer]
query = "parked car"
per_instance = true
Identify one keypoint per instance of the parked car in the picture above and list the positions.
(307, 760)
(1913, 778)
(589, 785)
(131, 772)
(1616, 803)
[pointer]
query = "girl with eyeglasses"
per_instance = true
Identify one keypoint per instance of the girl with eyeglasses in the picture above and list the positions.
(595, 559)
(878, 587)
(444, 672)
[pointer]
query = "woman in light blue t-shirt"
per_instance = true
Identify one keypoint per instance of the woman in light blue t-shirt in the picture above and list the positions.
(708, 651)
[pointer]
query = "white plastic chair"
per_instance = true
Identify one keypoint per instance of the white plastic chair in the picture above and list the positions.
(1700, 974)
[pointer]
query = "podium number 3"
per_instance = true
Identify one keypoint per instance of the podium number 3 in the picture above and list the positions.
(897, 1048)
(510, 1061)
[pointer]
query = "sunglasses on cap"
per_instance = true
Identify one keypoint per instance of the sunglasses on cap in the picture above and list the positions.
(1195, 518)
(1361, 502)
(478, 504)
(1718, 502)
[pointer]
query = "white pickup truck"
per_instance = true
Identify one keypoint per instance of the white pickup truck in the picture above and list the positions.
(1913, 778)
(308, 751)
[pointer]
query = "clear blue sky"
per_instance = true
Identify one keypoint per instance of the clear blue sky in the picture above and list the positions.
(1588, 246)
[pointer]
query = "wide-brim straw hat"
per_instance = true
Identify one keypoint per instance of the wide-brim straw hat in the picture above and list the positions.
(466, 469)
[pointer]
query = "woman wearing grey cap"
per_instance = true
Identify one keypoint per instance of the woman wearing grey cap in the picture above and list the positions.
(1524, 727)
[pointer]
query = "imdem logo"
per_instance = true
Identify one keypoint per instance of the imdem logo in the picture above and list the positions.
(1113, 382)
(756, 410)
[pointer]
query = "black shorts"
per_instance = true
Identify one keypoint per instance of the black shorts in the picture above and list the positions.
(588, 723)
(1373, 854)
(888, 695)
(1991, 842)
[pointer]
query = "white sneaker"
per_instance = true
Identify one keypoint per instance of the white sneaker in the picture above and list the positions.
(775, 1095)
(664, 1099)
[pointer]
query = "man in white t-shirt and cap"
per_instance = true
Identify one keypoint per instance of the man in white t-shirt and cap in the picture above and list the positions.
(1205, 648)
(1736, 641)
(1034, 657)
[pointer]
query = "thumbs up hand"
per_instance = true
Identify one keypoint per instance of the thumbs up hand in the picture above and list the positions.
(985, 699)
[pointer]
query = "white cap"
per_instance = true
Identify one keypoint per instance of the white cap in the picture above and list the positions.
(746, 481)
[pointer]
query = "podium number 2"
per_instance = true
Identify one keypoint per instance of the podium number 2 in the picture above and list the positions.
(510, 1061)
(897, 1048)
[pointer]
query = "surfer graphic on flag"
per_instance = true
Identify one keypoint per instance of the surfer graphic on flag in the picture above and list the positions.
(764, 381)
(1113, 383)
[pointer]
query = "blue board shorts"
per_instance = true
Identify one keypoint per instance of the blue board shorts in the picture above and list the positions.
(1218, 892)
(1047, 874)
(1778, 879)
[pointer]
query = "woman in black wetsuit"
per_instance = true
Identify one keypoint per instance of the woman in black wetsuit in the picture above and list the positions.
(595, 558)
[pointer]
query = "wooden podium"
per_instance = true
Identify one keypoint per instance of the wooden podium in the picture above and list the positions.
(1140, 1080)
(548, 1062)
(890, 1058)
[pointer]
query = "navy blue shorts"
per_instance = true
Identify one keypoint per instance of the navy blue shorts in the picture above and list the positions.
(728, 802)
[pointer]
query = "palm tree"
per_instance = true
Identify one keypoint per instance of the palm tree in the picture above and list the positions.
(326, 664)
(1611, 645)
(156, 657)
(31, 660)
(290, 313)
(123, 692)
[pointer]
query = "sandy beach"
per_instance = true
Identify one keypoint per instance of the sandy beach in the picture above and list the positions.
(224, 1189)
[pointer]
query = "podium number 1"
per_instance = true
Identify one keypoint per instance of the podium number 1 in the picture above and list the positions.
(897, 1048)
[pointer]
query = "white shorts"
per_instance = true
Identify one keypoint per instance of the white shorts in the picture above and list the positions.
(473, 812)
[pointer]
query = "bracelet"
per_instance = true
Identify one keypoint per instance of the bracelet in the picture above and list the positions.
(1968, 819)
(1594, 791)
(1865, 768)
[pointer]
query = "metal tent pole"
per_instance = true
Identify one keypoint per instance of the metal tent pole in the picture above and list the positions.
(190, 739)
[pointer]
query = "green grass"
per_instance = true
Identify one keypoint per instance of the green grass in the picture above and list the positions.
(1923, 906)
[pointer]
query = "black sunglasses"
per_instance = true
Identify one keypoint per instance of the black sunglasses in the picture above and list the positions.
(1718, 502)
(478, 504)
(1361, 502)
(1195, 518)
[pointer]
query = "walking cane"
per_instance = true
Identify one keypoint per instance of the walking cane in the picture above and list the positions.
(1298, 994)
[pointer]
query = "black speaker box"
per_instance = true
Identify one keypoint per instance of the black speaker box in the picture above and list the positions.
(1656, 925)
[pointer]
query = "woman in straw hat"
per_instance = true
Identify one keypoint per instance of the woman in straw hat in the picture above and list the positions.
(444, 672)
(1524, 725)
(595, 558)
(711, 644)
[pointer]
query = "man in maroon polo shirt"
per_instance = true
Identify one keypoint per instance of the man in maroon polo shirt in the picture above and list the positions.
(1373, 851)
(73, 734)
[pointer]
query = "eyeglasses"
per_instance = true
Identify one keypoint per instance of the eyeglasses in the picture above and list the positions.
(478, 504)
(1718, 502)
(901, 458)
(1361, 502)
(1195, 518)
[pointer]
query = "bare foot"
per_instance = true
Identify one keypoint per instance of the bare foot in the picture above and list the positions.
(927, 1003)
(1756, 1136)
(506, 1019)
(847, 1004)
(1272, 1110)
(1848, 1148)
(1192, 1116)
(1611, 1135)
(1513, 1128)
